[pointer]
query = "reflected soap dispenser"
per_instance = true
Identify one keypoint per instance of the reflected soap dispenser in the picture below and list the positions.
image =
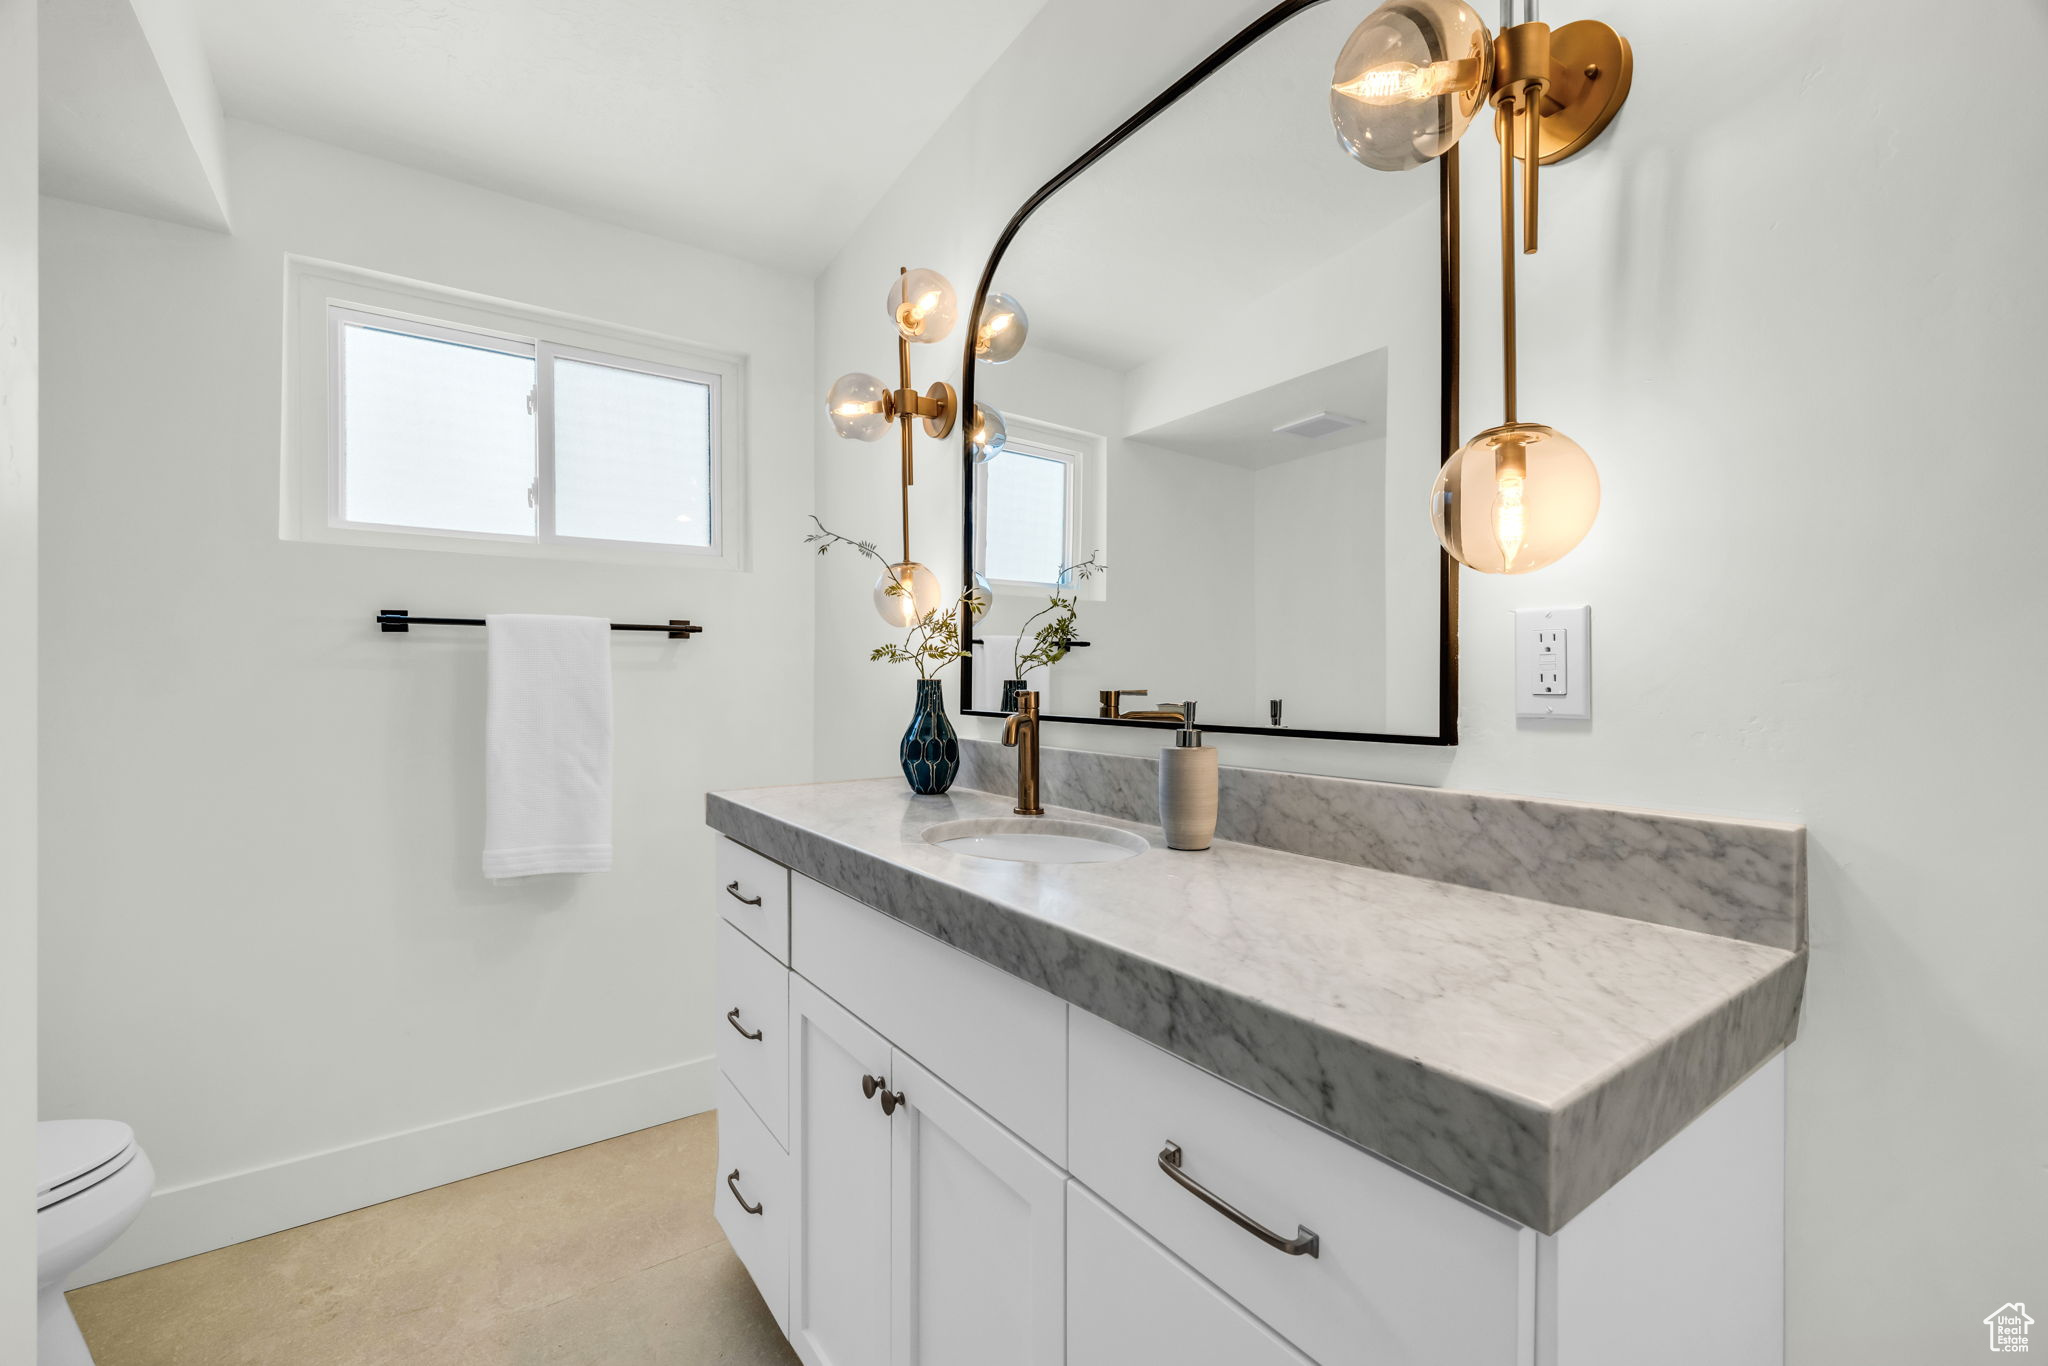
(1187, 787)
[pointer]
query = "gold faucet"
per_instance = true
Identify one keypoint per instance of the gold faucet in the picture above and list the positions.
(1020, 733)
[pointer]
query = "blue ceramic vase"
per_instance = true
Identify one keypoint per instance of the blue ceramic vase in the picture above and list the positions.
(1011, 687)
(930, 750)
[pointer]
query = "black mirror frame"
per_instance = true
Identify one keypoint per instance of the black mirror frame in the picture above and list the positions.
(1447, 574)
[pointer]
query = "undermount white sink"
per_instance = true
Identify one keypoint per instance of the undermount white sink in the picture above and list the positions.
(1035, 839)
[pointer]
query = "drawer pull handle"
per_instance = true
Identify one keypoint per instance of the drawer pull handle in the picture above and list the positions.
(732, 1183)
(1304, 1244)
(732, 1017)
(732, 889)
(890, 1099)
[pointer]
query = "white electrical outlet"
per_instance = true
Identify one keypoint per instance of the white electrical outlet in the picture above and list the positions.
(1553, 663)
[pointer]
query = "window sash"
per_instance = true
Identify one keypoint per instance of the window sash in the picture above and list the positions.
(544, 435)
(1070, 530)
(544, 355)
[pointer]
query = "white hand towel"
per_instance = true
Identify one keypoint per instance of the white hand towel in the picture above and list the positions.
(993, 660)
(548, 746)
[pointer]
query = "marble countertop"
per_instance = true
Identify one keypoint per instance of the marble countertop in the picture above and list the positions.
(1525, 1055)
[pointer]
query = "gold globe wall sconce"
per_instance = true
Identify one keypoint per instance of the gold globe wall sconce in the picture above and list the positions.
(923, 308)
(1407, 85)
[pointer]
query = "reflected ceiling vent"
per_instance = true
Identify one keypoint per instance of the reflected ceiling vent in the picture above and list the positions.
(1318, 424)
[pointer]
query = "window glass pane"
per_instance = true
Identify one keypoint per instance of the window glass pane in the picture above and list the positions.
(435, 434)
(1027, 517)
(632, 455)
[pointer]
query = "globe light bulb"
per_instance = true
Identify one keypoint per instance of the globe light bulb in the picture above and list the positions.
(859, 407)
(986, 434)
(923, 306)
(1515, 498)
(1003, 327)
(1409, 80)
(1510, 514)
(907, 593)
(981, 597)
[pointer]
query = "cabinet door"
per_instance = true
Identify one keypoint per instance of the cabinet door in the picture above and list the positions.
(839, 1273)
(1130, 1300)
(978, 1255)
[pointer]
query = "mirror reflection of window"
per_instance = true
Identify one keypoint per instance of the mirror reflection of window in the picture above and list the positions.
(1238, 328)
(1030, 526)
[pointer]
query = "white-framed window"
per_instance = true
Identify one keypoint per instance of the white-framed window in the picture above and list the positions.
(428, 418)
(1036, 508)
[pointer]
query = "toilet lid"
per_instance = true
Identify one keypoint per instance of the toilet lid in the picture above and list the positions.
(69, 1149)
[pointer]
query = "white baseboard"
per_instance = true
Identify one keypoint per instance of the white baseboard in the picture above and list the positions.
(180, 1221)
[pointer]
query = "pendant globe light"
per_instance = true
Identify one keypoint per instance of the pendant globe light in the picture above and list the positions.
(1407, 84)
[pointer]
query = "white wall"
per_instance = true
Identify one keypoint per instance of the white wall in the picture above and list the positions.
(1797, 324)
(1319, 613)
(17, 667)
(1145, 506)
(266, 940)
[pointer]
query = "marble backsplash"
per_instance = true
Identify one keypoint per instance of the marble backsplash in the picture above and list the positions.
(1738, 879)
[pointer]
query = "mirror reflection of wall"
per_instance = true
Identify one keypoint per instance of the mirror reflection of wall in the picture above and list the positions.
(1231, 395)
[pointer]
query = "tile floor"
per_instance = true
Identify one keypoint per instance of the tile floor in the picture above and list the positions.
(601, 1256)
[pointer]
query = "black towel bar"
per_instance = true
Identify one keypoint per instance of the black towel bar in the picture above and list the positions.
(397, 619)
(1071, 645)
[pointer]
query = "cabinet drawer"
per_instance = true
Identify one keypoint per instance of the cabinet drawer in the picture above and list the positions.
(752, 1030)
(1130, 1300)
(1000, 1042)
(1403, 1272)
(753, 893)
(753, 1169)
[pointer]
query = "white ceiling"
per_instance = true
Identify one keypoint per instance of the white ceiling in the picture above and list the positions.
(1240, 431)
(760, 128)
(128, 117)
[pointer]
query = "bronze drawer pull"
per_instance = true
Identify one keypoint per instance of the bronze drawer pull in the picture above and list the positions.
(1304, 1244)
(732, 1017)
(890, 1099)
(732, 1183)
(732, 889)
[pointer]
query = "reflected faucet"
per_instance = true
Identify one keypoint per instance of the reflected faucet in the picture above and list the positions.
(1020, 733)
(1113, 700)
(1113, 706)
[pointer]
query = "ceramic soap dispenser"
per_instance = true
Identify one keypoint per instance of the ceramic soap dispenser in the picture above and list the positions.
(1187, 787)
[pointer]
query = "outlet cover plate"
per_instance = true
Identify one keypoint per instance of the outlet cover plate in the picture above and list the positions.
(1554, 663)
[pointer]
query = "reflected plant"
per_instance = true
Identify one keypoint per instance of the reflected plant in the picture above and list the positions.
(935, 640)
(1051, 642)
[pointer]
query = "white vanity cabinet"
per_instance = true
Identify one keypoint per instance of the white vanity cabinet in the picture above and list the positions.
(926, 1233)
(839, 1265)
(967, 1171)
(1130, 1300)
(978, 1242)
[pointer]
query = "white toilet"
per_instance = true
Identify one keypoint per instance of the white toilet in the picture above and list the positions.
(91, 1180)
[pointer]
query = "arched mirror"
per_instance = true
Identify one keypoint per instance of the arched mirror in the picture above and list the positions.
(1237, 381)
